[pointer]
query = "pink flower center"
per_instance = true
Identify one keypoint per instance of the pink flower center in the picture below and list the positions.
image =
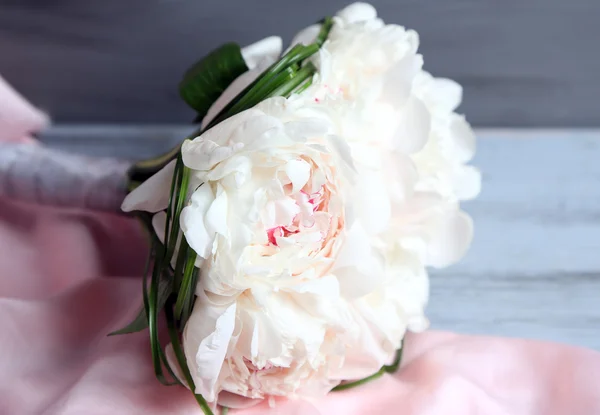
(308, 204)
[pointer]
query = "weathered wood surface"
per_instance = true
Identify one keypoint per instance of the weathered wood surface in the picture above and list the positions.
(522, 62)
(534, 267)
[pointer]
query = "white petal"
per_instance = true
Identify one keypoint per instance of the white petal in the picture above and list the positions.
(237, 86)
(414, 126)
(306, 128)
(152, 195)
(235, 401)
(298, 171)
(222, 132)
(202, 155)
(342, 149)
(192, 221)
(256, 132)
(399, 80)
(356, 268)
(373, 206)
(463, 139)
(327, 286)
(279, 213)
(448, 93)
(266, 339)
(403, 176)
(238, 169)
(214, 335)
(216, 216)
(451, 240)
(357, 12)
(306, 36)
(269, 48)
(159, 222)
(365, 356)
(467, 182)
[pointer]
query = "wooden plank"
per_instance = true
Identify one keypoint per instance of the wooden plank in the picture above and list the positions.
(522, 62)
(534, 268)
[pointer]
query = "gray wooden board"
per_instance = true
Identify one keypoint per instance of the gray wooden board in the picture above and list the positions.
(534, 268)
(522, 62)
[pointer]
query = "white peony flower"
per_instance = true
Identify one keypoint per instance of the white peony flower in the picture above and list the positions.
(409, 149)
(315, 217)
(401, 130)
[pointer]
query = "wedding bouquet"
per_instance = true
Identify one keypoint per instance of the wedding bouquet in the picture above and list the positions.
(292, 233)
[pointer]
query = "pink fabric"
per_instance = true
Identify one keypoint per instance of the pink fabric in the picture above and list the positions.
(18, 119)
(64, 284)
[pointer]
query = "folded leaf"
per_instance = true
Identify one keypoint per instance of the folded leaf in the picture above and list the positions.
(206, 80)
(141, 320)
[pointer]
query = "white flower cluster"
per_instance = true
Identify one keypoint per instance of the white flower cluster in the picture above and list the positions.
(314, 217)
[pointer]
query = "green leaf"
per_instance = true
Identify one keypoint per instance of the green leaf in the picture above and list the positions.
(326, 26)
(188, 285)
(152, 306)
(204, 82)
(272, 78)
(141, 320)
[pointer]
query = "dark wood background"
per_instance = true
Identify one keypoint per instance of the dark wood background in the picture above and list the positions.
(532, 63)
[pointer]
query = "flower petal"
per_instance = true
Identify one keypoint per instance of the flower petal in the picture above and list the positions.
(463, 139)
(237, 86)
(342, 149)
(365, 356)
(398, 80)
(235, 401)
(357, 269)
(206, 340)
(414, 126)
(306, 128)
(152, 195)
(258, 57)
(373, 206)
(451, 240)
(327, 286)
(204, 154)
(298, 171)
(268, 49)
(467, 182)
(159, 222)
(193, 226)
(221, 133)
(306, 36)
(357, 12)
(216, 216)
(448, 92)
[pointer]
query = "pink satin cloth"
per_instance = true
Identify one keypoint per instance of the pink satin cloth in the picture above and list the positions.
(69, 278)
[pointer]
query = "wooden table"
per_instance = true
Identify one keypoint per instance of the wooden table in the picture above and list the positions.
(534, 267)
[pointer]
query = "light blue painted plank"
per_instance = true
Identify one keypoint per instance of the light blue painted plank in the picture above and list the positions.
(534, 267)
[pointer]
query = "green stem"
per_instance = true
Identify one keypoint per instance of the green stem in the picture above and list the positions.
(356, 383)
(302, 75)
(393, 368)
(224, 410)
(384, 369)
(324, 32)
